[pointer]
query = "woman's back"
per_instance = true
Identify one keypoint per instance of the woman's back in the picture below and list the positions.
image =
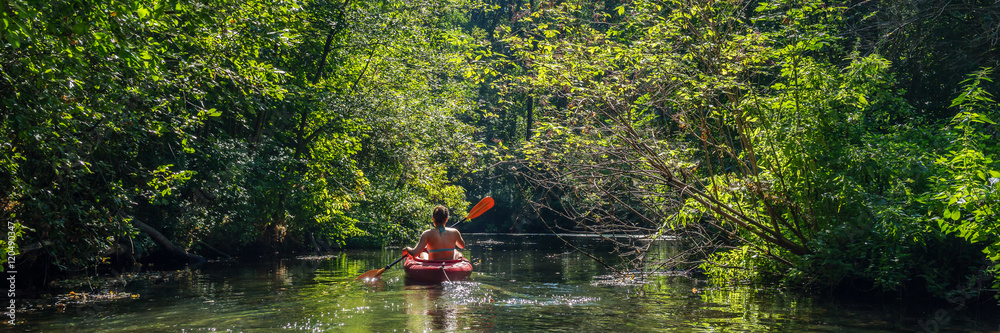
(440, 243)
(443, 243)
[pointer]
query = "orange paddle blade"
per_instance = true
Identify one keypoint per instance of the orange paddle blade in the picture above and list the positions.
(377, 273)
(480, 208)
(372, 274)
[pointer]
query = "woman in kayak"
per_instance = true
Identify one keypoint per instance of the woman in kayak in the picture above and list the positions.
(440, 242)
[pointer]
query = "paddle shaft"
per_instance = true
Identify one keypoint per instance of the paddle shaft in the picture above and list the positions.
(456, 223)
(394, 262)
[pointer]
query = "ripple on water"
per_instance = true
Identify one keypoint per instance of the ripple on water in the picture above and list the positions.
(489, 242)
(323, 257)
(552, 300)
(633, 278)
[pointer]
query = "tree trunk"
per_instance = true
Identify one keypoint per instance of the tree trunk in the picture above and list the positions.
(529, 118)
(327, 46)
(162, 241)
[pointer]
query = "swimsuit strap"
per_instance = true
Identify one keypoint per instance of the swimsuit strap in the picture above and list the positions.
(441, 250)
(440, 230)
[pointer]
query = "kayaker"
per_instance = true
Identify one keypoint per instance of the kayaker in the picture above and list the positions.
(441, 243)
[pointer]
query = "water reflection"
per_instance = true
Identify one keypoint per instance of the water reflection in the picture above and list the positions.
(428, 311)
(520, 284)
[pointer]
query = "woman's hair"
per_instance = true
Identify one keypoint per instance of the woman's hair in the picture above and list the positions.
(440, 215)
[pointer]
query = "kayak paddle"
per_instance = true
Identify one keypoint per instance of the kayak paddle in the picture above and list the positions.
(479, 209)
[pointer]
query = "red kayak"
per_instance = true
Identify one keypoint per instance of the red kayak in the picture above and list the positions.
(436, 271)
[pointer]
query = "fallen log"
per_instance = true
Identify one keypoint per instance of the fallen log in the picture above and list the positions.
(167, 245)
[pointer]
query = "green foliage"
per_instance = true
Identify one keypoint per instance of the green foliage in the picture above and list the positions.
(233, 124)
(760, 132)
(933, 45)
(965, 188)
(91, 115)
(783, 139)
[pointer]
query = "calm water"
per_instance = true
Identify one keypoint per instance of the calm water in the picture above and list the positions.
(547, 288)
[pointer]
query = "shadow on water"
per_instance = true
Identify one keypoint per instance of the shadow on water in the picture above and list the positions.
(521, 283)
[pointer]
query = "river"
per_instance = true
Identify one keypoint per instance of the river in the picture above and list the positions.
(521, 283)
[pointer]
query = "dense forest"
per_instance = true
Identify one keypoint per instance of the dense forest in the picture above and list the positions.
(812, 143)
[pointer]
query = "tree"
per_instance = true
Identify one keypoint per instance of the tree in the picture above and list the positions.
(750, 130)
(228, 126)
